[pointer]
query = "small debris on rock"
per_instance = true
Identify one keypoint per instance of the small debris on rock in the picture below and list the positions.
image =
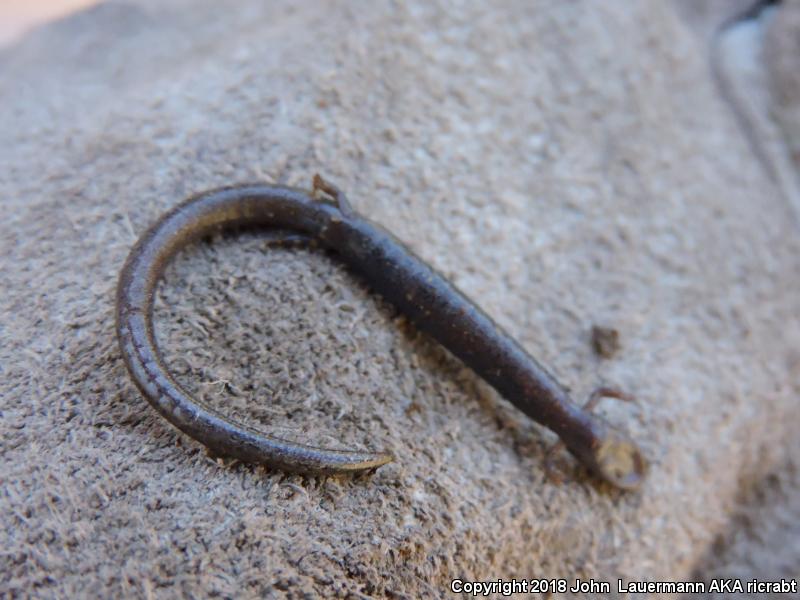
(605, 341)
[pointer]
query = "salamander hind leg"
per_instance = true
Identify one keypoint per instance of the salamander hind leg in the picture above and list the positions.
(332, 193)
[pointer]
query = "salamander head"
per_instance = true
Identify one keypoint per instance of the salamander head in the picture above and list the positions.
(619, 461)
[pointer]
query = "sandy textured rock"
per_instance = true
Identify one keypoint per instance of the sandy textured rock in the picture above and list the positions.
(782, 58)
(566, 164)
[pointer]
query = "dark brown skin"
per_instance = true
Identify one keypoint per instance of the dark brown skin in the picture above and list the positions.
(430, 301)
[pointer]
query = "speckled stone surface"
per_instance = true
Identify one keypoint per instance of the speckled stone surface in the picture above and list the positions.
(566, 164)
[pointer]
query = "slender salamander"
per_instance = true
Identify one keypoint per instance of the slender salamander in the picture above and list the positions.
(432, 303)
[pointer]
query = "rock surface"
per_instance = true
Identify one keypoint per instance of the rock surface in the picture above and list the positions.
(566, 164)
